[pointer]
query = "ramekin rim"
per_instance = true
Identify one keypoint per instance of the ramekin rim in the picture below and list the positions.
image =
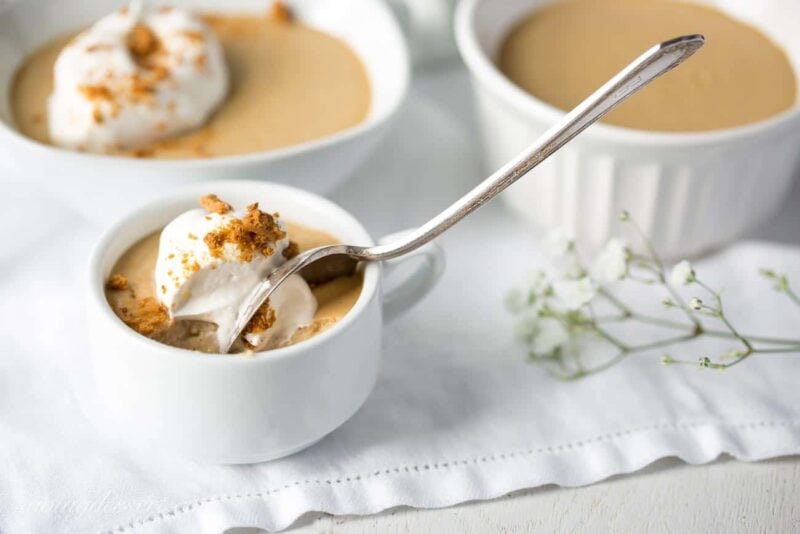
(487, 72)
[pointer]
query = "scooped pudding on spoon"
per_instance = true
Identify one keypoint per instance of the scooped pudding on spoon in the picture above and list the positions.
(183, 287)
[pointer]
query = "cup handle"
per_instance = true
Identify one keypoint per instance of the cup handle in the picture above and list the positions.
(402, 295)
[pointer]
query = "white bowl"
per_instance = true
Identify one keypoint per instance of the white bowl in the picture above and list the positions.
(241, 409)
(689, 191)
(101, 186)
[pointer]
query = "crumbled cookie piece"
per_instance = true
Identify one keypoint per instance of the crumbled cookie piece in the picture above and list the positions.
(291, 250)
(255, 232)
(280, 12)
(95, 92)
(213, 204)
(142, 43)
(263, 319)
(148, 318)
(262, 224)
(117, 282)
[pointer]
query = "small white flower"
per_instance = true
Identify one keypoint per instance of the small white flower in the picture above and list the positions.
(574, 294)
(536, 282)
(682, 274)
(573, 270)
(696, 304)
(543, 334)
(550, 336)
(612, 262)
(558, 242)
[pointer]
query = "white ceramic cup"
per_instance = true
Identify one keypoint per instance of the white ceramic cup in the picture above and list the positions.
(79, 179)
(690, 192)
(242, 409)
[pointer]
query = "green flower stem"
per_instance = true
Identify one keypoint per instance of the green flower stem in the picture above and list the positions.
(648, 268)
(793, 343)
(626, 312)
(611, 339)
(660, 272)
(679, 302)
(721, 316)
(792, 295)
(665, 342)
(647, 243)
(592, 370)
(621, 306)
(776, 350)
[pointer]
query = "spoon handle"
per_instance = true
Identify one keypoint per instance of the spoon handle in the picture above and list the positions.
(646, 68)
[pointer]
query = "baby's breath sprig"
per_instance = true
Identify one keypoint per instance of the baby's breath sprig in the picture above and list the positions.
(559, 318)
(780, 284)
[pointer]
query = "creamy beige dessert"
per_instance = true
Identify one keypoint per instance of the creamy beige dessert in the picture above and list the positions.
(287, 83)
(181, 286)
(564, 51)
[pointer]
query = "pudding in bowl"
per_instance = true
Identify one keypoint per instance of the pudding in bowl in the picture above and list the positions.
(206, 85)
(246, 407)
(183, 285)
(742, 76)
(694, 181)
(315, 159)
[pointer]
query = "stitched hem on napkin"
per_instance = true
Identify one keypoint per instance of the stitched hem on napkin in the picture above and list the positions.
(456, 480)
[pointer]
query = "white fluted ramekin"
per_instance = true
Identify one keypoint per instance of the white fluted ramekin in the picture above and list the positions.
(690, 192)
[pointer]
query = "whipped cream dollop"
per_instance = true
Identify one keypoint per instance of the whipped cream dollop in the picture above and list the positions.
(136, 76)
(209, 262)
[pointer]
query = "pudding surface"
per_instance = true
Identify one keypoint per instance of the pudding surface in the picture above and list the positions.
(564, 51)
(132, 286)
(289, 84)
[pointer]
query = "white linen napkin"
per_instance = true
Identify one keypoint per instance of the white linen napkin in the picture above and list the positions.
(457, 413)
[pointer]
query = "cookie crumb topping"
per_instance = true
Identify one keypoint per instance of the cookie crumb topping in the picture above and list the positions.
(257, 231)
(142, 43)
(280, 12)
(149, 316)
(291, 250)
(117, 282)
(213, 204)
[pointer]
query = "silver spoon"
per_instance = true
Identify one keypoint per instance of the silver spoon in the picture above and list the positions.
(647, 67)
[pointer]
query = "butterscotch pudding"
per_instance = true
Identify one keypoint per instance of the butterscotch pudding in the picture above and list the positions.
(165, 83)
(564, 51)
(184, 285)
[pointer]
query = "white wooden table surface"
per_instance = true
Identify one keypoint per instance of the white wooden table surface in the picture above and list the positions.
(668, 496)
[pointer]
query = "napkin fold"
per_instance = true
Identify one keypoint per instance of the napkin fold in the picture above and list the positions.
(457, 413)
